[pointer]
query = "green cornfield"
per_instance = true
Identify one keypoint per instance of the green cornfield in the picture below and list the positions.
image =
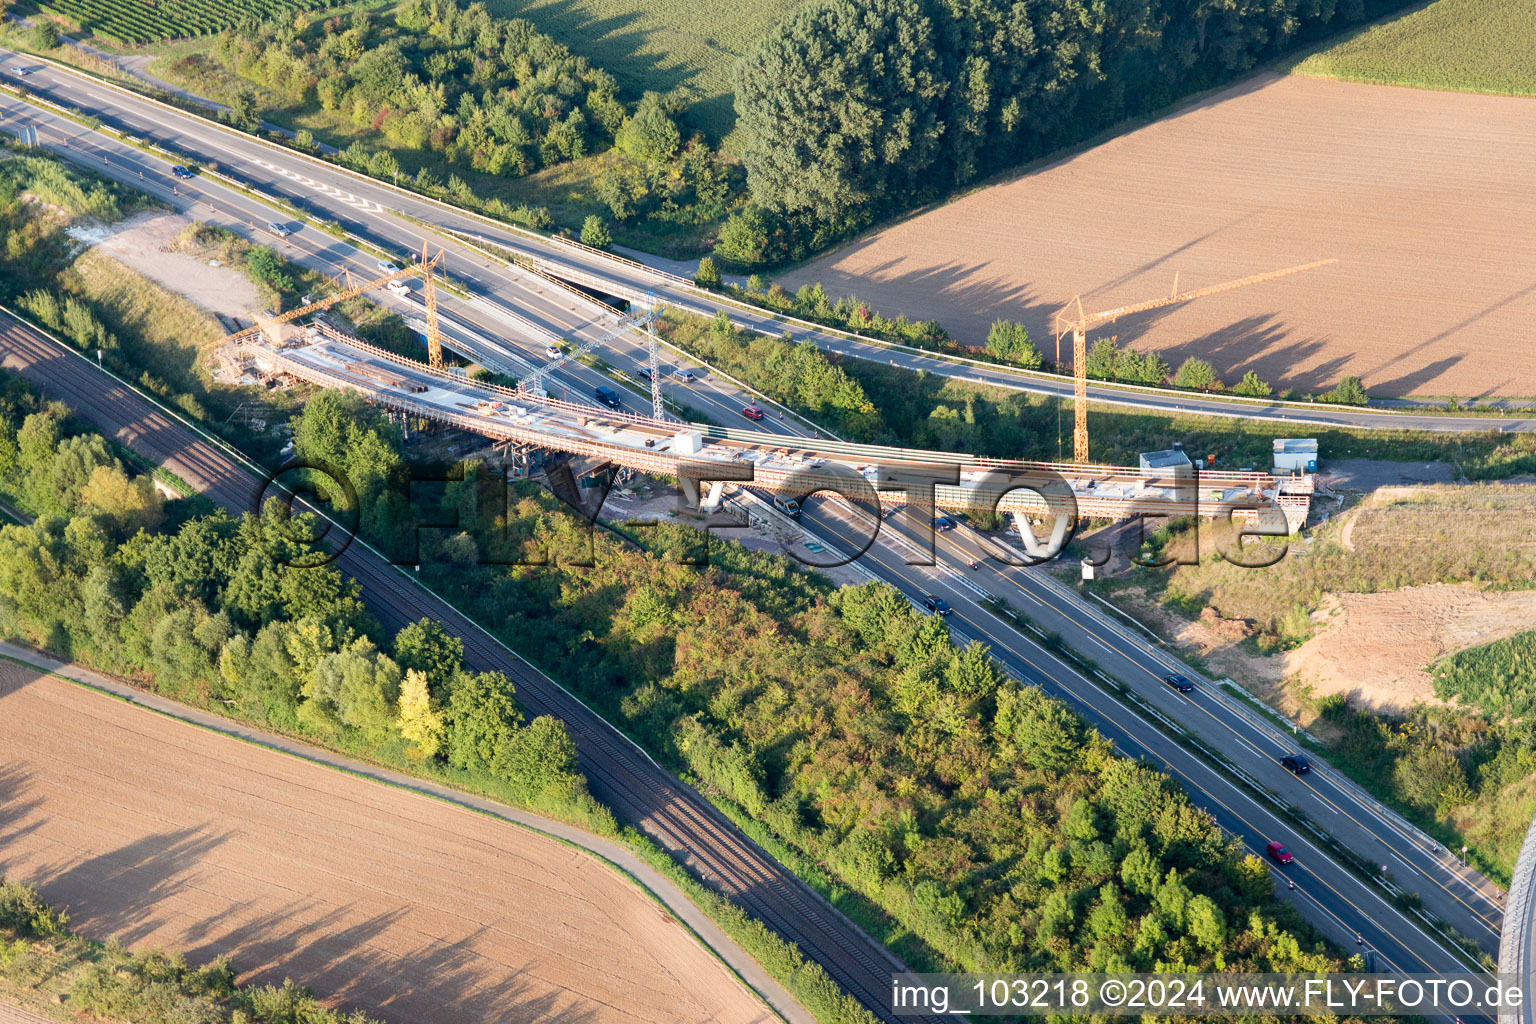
(1468, 45)
(661, 45)
(1497, 678)
(136, 22)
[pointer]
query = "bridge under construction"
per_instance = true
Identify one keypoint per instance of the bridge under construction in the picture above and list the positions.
(705, 458)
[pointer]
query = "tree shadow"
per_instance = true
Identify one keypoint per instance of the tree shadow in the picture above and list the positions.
(136, 893)
(611, 40)
(123, 891)
(19, 814)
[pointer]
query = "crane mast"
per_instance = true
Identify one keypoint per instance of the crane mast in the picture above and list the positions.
(1071, 318)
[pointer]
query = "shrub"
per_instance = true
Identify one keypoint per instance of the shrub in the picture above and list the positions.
(1196, 374)
(708, 275)
(1252, 387)
(44, 35)
(1009, 340)
(1348, 391)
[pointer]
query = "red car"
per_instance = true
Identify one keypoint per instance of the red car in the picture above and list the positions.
(1279, 852)
(752, 412)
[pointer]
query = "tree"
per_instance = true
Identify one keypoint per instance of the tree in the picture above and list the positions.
(1103, 358)
(1206, 925)
(45, 34)
(614, 190)
(425, 646)
(1009, 340)
(838, 108)
(1252, 387)
(1196, 374)
(649, 134)
(1348, 391)
(1139, 870)
(243, 112)
(746, 238)
(482, 716)
(538, 756)
(595, 233)
(130, 502)
(420, 723)
(358, 686)
(707, 276)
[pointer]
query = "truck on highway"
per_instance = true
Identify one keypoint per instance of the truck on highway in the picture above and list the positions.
(608, 396)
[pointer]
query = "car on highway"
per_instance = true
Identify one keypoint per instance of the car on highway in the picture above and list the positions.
(181, 172)
(752, 412)
(1278, 851)
(645, 373)
(686, 376)
(1296, 764)
(21, 71)
(943, 523)
(608, 396)
(936, 604)
(1178, 682)
(280, 230)
(553, 351)
(400, 288)
(789, 506)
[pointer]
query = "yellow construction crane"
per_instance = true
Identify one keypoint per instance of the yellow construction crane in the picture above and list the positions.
(1072, 318)
(351, 289)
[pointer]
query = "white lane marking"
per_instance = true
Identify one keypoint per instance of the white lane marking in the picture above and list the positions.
(355, 201)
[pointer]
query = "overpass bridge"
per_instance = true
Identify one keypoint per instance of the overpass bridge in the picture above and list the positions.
(707, 455)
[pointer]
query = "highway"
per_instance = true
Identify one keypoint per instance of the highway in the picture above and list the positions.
(1339, 902)
(638, 790)
(372, 209)
(1327, 894)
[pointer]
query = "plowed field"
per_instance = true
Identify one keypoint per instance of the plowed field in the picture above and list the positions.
(1424, 198)
(167, 835)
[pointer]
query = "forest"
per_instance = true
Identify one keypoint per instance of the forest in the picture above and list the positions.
(221, 612)
(850, 112)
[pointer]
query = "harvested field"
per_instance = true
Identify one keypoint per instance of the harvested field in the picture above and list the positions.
(1422, 197)
(164, 834)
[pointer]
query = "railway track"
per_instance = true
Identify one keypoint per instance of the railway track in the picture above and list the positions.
(621, 774)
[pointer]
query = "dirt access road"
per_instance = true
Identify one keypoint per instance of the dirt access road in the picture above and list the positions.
(165, 834)
(1423, 198)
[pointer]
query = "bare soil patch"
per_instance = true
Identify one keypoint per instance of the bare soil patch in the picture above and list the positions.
(1423, 198)
(144, 243)
(1216, 641)
(1376, 647)
(167, 835)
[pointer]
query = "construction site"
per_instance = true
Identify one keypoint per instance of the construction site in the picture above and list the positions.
(708, 459)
